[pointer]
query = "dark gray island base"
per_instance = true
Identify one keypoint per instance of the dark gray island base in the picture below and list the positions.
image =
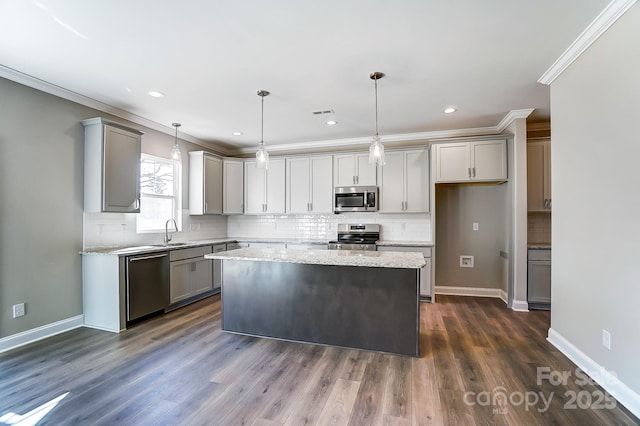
(371, 308)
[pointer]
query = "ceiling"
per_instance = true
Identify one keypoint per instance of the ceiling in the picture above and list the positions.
(210, 58)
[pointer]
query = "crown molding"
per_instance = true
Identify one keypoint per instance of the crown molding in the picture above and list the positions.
(603, 21)
(401, 138)
(52, 89)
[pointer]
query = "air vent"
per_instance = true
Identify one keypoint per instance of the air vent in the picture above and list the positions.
(326, 111)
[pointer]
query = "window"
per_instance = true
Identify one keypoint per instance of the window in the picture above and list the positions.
(160, 194)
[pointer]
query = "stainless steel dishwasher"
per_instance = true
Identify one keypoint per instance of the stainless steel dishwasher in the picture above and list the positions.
(147, 285)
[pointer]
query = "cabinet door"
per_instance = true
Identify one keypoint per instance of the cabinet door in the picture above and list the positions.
(489, 160)
(547, 174)
(365, 172)
(321, 184)
(416, 181)
(344, 170)
(254, 188)
(212, 185)
(298, 185)
(217, 265)
(233, 187)
(425, 278)
(179, 276)
(201, 277)
(392, 183)
(121, 171)
(539, 281)
(535, 177)
(452, 162)
(275, 196)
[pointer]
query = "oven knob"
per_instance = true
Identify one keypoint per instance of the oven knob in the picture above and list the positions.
(365, 247)
(339, 246)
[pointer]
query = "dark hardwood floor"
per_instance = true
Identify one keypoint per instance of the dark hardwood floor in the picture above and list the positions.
(479, 365)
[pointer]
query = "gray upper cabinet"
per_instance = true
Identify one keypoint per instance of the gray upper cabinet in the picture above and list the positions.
(233, 186)
(111, 167)
(205, 183)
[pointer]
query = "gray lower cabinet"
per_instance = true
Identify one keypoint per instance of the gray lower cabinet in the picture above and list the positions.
(425, 273)
(539, 278)
(190, 273)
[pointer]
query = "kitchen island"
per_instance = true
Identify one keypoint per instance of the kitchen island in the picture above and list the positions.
(354, 299)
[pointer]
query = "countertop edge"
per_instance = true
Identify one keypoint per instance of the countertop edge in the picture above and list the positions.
(400, 260)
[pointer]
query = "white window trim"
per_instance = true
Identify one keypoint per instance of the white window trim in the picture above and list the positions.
(177, 190)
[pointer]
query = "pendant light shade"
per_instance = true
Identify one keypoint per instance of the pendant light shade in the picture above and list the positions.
(376, 149)
(175, 151)
(262, 156)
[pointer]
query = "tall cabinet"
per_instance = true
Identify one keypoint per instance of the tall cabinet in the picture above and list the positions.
(264, 191)
(539, 176)
(205, 183)
(233, 186)
(404, 182)
(111, 167)
(309, 186)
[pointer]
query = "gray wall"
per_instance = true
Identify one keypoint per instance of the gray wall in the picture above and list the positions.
(457, 207)
(41, 203)
(596, 200)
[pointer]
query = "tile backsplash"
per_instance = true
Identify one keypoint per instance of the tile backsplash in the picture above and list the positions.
(119, 229)
(395, 227)
(539, 227)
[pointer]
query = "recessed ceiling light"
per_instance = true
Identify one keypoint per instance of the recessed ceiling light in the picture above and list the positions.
(332, 122)
(449, 110)
(156, 94)
(237, 133)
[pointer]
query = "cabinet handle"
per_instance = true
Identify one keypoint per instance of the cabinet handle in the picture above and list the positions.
(193, 266)
(206, 207)
(549, 203)
(469, 171)
(474, 171)
(353, 179)
(137, 203)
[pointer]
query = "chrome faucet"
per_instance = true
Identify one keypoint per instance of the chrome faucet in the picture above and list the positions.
(167, 238)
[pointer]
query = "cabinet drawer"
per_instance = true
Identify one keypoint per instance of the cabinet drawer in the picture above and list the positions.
(189, 253)
(537, 254)
(219, 248)
(426, 251)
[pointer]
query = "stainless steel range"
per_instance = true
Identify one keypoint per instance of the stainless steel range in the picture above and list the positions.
(356, 237)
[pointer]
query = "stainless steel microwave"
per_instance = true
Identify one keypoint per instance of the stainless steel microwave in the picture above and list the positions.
(355, 199)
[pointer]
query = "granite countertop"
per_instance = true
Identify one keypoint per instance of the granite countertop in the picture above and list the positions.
(404, 243)
(131, 250)
(372, 259)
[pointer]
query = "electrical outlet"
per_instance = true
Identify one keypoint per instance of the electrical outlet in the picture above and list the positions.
(476, 226)
(18, 310)
(606, 339)
(466, 261)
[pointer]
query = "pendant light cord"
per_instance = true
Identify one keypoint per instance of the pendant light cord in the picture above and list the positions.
(376, 86)
(262, 125)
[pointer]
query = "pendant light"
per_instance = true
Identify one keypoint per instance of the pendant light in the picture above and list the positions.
(175, 151)
(376, 149)
(262, 156)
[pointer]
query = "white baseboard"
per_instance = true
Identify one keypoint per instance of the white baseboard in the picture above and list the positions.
(35, 334)
(470, 291)
(520, 305)
(621, 392)
(503, 296)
